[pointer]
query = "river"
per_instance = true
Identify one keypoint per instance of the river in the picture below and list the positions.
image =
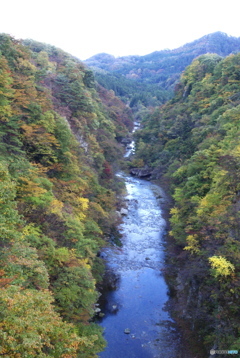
(136, 321)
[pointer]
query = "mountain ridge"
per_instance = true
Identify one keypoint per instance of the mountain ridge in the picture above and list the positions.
(149, 80)
(208, 40)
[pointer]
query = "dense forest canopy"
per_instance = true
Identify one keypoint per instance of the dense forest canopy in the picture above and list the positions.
(59, 149)
(192, 143)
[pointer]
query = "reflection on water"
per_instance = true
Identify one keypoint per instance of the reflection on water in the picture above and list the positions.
(136, 322)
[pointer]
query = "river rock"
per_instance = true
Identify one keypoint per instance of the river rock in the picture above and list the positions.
(113, 308)
(123, 211)
(118, 214)
(141, 172)
(126, 141)
(102, 254)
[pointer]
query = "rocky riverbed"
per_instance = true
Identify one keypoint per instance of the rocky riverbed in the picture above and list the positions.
(136, 319)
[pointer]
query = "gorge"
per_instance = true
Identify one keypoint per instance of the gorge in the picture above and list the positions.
(62, 173)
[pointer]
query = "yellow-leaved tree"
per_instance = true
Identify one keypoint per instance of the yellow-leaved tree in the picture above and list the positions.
(221, 266)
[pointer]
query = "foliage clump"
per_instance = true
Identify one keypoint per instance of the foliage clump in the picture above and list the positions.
(221, 266)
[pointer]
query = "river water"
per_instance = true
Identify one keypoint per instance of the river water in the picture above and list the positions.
(136, 322)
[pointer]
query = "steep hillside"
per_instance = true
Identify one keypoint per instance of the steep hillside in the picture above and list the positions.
(150, 80)
(59, 149)
(192, 143)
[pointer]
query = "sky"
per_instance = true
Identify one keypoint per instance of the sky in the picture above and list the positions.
(84, 28)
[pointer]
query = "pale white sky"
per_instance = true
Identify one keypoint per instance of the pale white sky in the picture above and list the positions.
(126, 27)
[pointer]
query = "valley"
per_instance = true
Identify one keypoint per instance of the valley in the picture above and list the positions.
(74, 203)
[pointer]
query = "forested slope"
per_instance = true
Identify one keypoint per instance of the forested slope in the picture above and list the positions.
(149, 81)
(192, 143)
(58, 143)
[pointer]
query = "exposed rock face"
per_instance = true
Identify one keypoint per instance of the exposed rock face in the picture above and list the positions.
(141, 172)
(110, 281)
(126, 141)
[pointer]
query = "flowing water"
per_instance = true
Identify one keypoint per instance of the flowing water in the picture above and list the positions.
(136, 322)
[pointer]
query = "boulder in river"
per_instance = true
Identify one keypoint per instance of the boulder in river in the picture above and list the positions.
(126, 141)
(141, 172)
(113, 308)
(118, 214)
(123, 211)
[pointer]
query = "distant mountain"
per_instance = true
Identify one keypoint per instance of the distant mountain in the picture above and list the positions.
(159, 71)
(160, 64)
